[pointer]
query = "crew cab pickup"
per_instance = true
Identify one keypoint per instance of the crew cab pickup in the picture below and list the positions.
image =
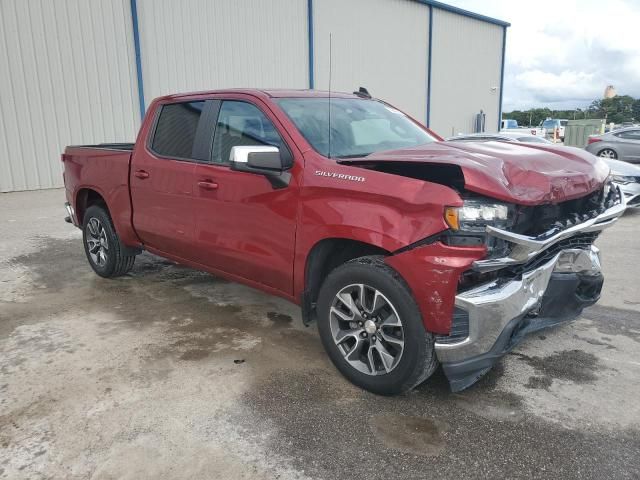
(407, 251)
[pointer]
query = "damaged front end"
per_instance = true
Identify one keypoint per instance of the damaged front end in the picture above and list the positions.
(483, 287)
(541, 278)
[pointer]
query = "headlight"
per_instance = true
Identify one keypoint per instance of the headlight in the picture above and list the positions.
(475, 215)
(623, 179)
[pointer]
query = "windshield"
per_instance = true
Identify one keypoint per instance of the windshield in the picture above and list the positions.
(550, 124)
(533, 139)
(359, 127)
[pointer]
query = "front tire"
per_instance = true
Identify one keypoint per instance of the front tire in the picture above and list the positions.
(102, 245)
(372, 329)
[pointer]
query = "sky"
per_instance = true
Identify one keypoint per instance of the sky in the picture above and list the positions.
(562, 54)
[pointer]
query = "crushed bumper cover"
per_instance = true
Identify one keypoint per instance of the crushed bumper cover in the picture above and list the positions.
(497, 315)
(500, 315)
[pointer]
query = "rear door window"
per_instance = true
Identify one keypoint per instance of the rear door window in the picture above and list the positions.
(629, 135)
(176, 129)
(242, 124)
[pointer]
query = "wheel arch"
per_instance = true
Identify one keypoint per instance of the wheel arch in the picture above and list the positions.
(85, 198)
(89, 196)
(323, 257)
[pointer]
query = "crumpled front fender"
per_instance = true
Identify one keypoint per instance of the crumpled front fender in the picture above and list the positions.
(432, 273)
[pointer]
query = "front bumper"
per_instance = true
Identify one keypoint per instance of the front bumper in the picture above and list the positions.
(499, 314)
(631, 192)
(492, 318)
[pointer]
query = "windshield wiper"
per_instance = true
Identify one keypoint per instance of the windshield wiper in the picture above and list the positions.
(353, 155)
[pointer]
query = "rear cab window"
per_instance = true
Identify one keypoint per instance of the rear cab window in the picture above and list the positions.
(176, 130)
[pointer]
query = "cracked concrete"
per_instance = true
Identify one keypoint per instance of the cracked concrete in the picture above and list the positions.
(172, 373)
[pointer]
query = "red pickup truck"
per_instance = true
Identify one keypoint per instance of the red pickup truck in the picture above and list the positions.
(407, 251)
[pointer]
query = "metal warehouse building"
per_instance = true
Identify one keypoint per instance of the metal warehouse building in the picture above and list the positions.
(83, 71)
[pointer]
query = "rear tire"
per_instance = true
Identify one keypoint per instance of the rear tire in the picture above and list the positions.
(357, 308)
(607, 153)
(102, 245)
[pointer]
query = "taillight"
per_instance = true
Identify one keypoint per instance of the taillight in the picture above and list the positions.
(594, 140)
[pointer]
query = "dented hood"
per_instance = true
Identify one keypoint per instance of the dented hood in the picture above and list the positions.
(518, 173)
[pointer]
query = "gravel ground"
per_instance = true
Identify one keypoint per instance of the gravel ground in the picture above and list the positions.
(172, 373)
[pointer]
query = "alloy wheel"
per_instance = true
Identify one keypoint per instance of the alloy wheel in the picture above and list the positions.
(367, 329)
(607, 153)
(97, 243)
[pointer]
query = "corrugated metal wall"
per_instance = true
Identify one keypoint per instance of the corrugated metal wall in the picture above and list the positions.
(378, 44)
(465, 72)
(67, 75)
(203, 45)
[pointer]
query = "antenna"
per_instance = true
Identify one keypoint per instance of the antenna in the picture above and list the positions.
(329, 153)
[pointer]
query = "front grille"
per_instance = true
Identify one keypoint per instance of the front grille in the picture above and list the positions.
(552, 218)
(459, 328)
(581, 240)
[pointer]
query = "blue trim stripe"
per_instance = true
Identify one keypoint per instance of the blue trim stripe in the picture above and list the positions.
(504, 45)
(136, 45)
(310, 32)
(466, 13)
(429, 65)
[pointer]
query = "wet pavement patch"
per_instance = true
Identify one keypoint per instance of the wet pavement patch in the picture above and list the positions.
(279, 319)
(417, 435)
(195, 354)
(615, 321)
(328, 427)
(54, 262)
(572, 365)
(593, 341)
(539, 382)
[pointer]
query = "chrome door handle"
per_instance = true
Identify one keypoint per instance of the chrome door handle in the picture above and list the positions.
(208, 185)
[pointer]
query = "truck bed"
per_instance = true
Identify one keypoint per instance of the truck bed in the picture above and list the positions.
(127, 147)
(103, 168)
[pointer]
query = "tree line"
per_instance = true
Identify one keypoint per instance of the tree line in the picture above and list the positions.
(618, 109)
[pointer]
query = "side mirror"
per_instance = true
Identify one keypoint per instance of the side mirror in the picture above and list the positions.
(256, 159)
(262, 160)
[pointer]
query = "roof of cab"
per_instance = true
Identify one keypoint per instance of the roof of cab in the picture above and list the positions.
(272, 93)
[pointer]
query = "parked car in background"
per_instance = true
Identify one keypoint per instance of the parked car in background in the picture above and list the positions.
(503, 136)
(621, 144)
(551, 124)
(627, 177)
